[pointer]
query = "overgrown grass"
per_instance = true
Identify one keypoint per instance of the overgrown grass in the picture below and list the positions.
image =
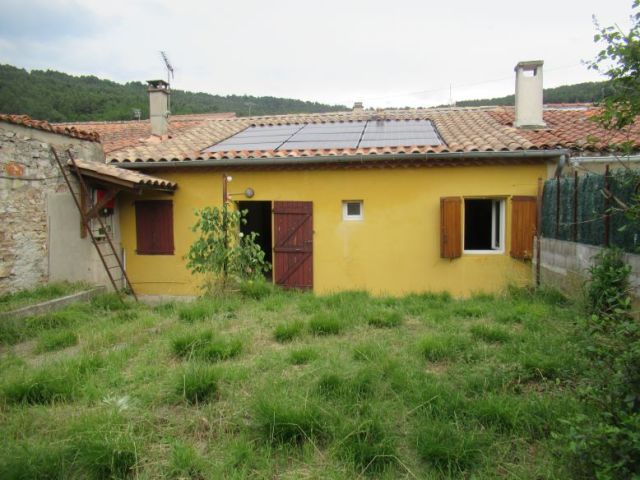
(270, 384)
(48, 291)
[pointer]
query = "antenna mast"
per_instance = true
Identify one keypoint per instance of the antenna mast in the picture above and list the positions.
(169, 68)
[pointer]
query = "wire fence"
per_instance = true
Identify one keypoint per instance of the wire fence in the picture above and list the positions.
(592, 209)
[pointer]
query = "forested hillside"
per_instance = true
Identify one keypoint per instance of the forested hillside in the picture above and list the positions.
(58, 97)
(587, 92)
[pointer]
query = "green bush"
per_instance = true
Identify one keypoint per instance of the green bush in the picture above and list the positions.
(257, 288)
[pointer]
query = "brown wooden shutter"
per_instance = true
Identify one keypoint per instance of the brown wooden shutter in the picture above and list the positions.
(450, 227)
(293, 248)
(154, 227)
(524, 213)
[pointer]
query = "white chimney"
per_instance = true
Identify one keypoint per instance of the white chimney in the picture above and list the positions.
(529, 95)
(159, 107)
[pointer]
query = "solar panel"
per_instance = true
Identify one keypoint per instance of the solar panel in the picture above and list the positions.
(372, 133)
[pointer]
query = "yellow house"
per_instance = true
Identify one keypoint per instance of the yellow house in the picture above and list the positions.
(391, 202)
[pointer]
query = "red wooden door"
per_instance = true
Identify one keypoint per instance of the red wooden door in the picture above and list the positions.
(293, 244)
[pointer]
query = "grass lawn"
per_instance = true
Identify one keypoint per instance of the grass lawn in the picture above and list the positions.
(48, 291)
(291, 386)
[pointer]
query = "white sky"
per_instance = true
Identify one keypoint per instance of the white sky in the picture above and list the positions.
(384, 53)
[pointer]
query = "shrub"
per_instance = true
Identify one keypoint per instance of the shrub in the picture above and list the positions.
(326, 324)
(50, 341)
(302, 356)
(257, 288)
(285, 332)
(196, 311)
(384, 318)
(197, 384)
(205, 346)
(490, 334)
(285, 420)
(443, 347)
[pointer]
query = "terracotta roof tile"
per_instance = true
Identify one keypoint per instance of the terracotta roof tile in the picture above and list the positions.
(136, 178)
(133, 133)
(68, 130)
(479, 129)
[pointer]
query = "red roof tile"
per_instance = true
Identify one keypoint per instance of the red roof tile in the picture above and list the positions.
(68, 130)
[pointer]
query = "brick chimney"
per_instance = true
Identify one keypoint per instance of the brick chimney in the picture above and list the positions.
(529, 95)
(159, 107)
(357, 107)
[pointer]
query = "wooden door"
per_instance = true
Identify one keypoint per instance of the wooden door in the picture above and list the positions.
(293, 244)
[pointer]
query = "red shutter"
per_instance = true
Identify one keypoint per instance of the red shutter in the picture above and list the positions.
(450, 227)
(524, 213)
(293, 238)
(154, 227)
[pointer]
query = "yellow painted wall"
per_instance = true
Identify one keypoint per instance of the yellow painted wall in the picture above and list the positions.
(394, 250)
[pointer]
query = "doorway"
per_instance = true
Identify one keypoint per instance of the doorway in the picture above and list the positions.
(259, 220)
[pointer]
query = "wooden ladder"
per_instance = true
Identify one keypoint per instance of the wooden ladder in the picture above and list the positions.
(111, 251)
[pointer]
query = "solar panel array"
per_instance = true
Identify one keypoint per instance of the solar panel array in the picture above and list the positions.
(372, 133)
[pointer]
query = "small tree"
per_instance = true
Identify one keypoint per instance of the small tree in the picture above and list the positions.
(221, 252)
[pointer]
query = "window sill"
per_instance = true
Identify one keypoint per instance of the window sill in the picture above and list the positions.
(483, 252)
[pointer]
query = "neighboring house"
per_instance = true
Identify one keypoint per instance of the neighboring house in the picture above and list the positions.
(386, 201)
(41, 238)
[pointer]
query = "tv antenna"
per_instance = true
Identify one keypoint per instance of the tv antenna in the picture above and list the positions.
(169, 68)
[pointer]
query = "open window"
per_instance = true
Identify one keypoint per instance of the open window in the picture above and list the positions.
(484, 225)
(154, 227)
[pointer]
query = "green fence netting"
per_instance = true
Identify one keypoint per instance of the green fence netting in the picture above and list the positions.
(587, 223)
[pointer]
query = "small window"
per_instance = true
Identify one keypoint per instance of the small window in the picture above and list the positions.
(352, 210)
(483, 225)
(154, 227)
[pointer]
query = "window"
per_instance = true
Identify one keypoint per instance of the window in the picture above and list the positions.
(483, 225)
(352, 210)
(154, 227)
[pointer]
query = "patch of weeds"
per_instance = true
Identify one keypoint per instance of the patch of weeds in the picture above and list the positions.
(48, 291)
(197, 384)
(490, 334)
(384, 318)
(57, 340)
(256, 289)
(126, 316)
(61, 381)
(468, 309)
(308, 303)
(368, 352)
(440, 347)
(420, 303)
(285, 332)
(197, 311)
(205, 346)
(166, 308)
(281, 419)
(186, 463)
(368, 446)
(347, 304)
(302, 356)
(351, 388)
(111, 302)
(448, 447)
(326, 324)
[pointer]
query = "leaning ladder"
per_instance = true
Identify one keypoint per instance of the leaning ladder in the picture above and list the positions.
(86, 222)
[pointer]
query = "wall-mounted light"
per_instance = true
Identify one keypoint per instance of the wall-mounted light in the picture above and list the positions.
(249, 192)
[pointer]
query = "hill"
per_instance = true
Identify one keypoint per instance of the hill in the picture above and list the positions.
(58, 97)
(588, 92)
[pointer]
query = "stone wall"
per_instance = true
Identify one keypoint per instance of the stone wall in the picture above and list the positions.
(29, 176)
(564, 265)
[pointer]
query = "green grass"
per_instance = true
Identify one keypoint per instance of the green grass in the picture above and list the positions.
(272, 384)
(48, 291)
(56, 340)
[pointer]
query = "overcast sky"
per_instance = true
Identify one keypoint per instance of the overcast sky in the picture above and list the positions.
(384, 53)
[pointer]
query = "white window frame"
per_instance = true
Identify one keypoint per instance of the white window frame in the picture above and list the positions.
(498, 244)
(352, 218)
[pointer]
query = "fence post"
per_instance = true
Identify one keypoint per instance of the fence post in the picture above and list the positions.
(607, 206)
(575, 206)
(557, 206)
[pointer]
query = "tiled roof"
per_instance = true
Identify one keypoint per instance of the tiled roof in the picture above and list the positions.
(125, 134)
(120, 174)
(69, 130)
(472, 129)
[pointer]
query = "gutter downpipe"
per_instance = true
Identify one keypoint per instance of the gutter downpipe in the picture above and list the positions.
(343, 159)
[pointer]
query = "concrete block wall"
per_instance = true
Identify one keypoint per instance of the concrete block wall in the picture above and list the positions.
(565, 265)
